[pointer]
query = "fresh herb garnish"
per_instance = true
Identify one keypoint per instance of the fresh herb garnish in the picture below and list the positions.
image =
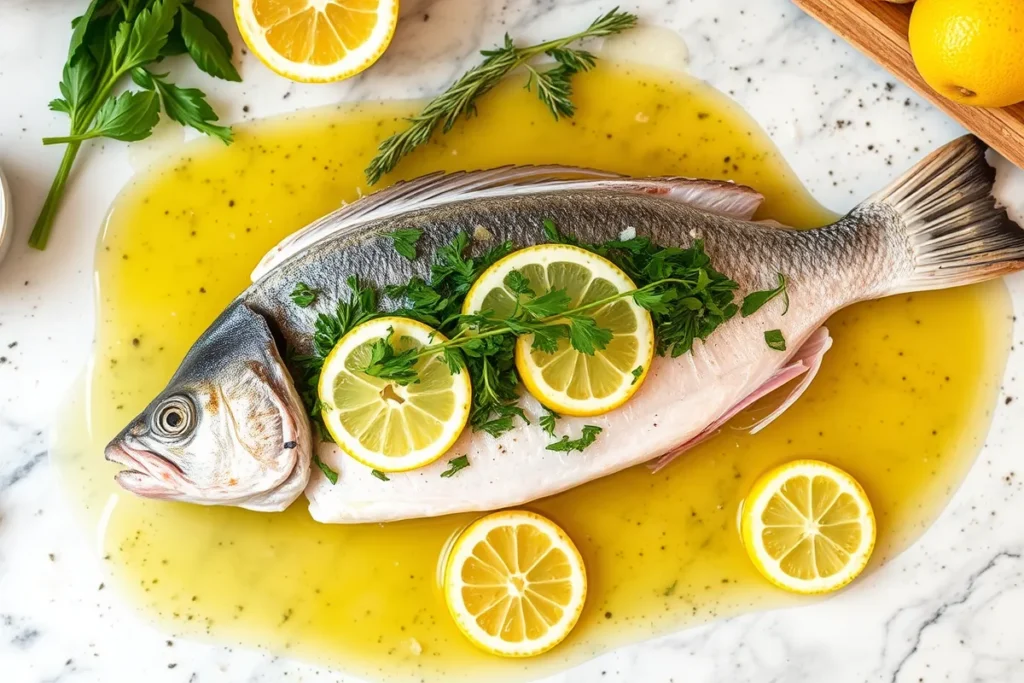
(454, 465)
(687, 299)
(360, 307)
(637, 371)
(567, 445)
(331, 475)
(775, 340)
(303, 295)
(380, 475)
(553, 86)
(547, 421)
(405, 241)
(117, 38)
(755, 300)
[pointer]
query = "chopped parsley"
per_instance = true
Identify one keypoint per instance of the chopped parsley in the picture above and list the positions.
(775, 340)
(547, 421)
(454, 465)
(755, 300)
(405, 241)
(567, 445)
(303, 295)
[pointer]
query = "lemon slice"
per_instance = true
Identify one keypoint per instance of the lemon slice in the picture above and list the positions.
(808, 527)
(514, 583)
(382, 424)
(314, 41)
(567, 381)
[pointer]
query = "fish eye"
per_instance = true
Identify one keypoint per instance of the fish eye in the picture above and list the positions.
(174, 417)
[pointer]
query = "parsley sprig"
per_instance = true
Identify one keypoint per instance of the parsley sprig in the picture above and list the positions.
(553, 86)
(360, 307)
(115, 39)
(686, 297)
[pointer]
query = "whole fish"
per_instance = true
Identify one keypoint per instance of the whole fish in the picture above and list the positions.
(230, 428)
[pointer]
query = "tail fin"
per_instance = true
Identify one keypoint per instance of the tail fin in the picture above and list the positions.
(957, 232)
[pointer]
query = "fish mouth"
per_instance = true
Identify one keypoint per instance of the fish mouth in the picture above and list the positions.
(146, 473)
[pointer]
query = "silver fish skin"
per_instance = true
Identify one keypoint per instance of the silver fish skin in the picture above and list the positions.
(935, 227)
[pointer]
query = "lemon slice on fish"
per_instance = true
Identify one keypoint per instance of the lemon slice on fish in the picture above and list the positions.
(808, 527)
(515, 583)
(382, 424)
(568, 381)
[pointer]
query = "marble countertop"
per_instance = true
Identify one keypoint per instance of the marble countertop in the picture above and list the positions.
(946, 610)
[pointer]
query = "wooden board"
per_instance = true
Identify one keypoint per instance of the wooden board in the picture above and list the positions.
(879, 29)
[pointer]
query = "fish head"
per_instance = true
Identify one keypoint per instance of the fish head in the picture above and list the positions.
(229, 428)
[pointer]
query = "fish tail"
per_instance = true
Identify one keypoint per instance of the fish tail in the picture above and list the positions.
(954, 230)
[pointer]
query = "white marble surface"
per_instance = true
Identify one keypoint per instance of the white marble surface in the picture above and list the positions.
(946, 610)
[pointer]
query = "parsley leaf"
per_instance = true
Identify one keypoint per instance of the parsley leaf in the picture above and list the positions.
(518, 283)
(547, 421)
(555, 235)
(331, 475)
(755, 300)
(128, 117)
(545, 337)
(454, 465)
(586, 336)
(505, 420)
(78, 82)
(405, 241)
(303, 295)
(775, 340)
(548, 304)
(566, 445)
(637, 372)
(149, 32)
(388, 364)
(206, 48)
(188, 106)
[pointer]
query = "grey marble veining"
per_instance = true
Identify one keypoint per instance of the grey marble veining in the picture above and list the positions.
(946, 610)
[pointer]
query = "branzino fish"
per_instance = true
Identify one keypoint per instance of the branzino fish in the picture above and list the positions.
(230, 429)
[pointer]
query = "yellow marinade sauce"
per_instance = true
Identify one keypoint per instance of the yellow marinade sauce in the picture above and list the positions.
(903, 401)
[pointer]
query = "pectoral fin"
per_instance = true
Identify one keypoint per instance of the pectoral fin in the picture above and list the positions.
(805, 363)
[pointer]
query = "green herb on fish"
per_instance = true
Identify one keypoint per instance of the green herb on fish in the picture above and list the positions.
(553, 86)
(567, 445)
(637, 372)
(331, 475)
(303, 295)
(775, 340)
(454, 465)
(405, 241)
(547, 421)
(687, 299)
(360, 307)
(682, 299)
(755, 300)
(117, 38)
(380, 475)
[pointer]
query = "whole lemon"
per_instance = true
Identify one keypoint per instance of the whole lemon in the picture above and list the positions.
(971, 51)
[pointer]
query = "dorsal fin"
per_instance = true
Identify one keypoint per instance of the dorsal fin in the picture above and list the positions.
(713, 196)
